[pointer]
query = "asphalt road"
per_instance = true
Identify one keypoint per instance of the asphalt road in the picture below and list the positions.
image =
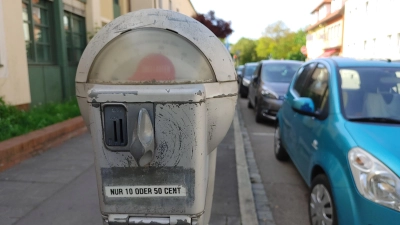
(285, 189)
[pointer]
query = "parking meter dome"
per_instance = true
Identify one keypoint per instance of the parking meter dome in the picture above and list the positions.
(150, 56)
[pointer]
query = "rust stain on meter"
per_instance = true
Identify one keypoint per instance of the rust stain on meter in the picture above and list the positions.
(154, 67)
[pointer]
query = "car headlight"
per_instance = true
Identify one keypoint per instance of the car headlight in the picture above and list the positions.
(374, 180)
(245, 82)
(269, 94)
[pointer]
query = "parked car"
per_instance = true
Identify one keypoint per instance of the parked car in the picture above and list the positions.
(269, 85)
(239, 70)
(247, 73)
(339, 124)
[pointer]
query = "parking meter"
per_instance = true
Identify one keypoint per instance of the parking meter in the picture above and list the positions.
(158, 92)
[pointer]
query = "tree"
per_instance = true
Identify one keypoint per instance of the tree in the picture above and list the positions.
(264, 47)
(246, 49)
(276, 30)
(219, 27)
(279, 42)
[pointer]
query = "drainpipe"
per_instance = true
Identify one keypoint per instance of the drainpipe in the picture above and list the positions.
(154, 4)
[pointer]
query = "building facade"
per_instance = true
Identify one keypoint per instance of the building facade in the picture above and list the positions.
(325, 35)
(39, 53)
(369, 32)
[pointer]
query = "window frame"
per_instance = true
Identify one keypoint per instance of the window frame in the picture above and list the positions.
(321, 112)
(294, 91)
(70, 33)
(33, 57)
(256, 74)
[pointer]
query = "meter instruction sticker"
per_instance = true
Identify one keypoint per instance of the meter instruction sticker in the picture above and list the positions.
(145, 191)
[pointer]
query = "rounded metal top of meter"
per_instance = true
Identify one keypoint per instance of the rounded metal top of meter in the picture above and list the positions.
(154, 46)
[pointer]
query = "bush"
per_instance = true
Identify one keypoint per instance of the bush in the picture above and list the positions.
(14, 122)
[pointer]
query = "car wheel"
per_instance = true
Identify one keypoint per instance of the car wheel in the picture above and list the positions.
(321, 204)
(259, 116)
(249, 105)
(279, 150)
(241, 92)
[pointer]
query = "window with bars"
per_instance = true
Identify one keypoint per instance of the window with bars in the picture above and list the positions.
(74, 27)
(37, 28)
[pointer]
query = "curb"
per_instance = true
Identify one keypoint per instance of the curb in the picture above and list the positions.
(248, 212)
(18, 149)
(263, 208)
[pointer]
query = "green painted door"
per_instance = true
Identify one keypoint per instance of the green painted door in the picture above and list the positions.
(44, 73)
(76, 42)
(117, 8)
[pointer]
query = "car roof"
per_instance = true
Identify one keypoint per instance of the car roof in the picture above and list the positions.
(251, 64)
(280, 61)
(351, 62)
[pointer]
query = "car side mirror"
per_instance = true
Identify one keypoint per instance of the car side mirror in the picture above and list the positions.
(304, 106)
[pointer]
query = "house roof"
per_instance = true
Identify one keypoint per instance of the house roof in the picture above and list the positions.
(321, 4)
(337, 14)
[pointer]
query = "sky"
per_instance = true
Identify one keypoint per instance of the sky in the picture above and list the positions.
(249, 18)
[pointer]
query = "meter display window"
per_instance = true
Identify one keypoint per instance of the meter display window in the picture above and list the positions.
(150, 56)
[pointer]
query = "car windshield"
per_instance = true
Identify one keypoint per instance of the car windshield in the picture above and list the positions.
(371, 94)
(249, 70)
(279, 72)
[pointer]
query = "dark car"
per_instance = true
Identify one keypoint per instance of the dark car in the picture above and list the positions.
(269, 85)
(239, 70)
(244, 81)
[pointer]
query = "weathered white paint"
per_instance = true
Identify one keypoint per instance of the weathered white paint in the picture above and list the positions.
(190, 120)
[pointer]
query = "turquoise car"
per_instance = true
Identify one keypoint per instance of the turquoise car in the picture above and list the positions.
(340, 125)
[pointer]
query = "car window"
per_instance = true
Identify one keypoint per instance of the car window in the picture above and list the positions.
(279, 72)
(370, 92)
(249, 70)
(316, 88)
(301, 77)
(350, 79)
(398, 75)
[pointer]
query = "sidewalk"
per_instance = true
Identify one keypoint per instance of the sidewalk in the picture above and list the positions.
(59, 187)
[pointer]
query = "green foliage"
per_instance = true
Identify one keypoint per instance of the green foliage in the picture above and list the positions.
(278, 42)
(14, 122)
(265, 46)
(276, 30)
(246, 49)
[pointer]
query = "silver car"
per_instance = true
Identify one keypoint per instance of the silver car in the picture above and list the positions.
(268, 86)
